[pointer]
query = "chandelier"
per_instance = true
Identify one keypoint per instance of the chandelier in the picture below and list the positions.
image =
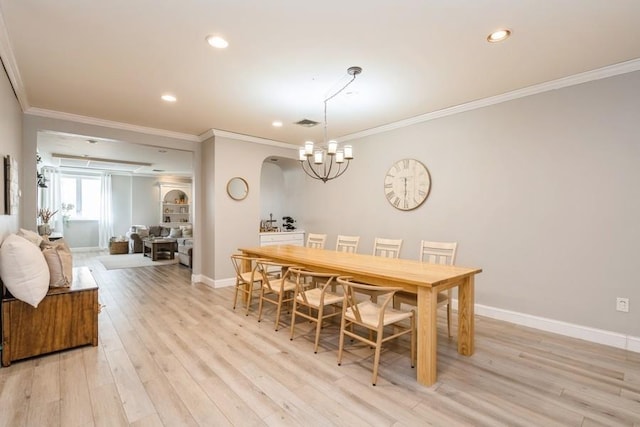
(328, 162)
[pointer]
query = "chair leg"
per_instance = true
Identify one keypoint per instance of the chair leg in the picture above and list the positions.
(413, 340)
(260, 305)
(449, 319)
(376, 359)
(293, 317)
(279, 310)
(235, 297)
(318, 327)
(341, 342)
(249, 297)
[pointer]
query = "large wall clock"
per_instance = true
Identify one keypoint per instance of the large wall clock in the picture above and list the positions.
(407, 184)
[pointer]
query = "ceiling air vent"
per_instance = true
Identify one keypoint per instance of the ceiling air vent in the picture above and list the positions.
(307, 123)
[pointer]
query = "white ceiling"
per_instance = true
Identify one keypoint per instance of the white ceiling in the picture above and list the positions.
(113, 59)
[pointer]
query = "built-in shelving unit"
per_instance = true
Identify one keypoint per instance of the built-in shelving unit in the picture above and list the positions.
(175, 209)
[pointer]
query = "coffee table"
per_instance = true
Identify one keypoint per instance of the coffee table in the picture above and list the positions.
(155, 247)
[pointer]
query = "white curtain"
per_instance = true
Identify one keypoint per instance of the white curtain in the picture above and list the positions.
(50, 196)
(105, 226)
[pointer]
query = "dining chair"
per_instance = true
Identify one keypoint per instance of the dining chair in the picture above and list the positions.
(316, 241)
(359, 308)
(389, 248)
(347, 243)
(275, 290)
(314, 299)
(434, 253)
(248, 280)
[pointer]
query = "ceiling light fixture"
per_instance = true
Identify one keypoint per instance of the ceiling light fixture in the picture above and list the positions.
(498, 36)
(277, 124)
(321, 168)
(168, 98)
(217, 42)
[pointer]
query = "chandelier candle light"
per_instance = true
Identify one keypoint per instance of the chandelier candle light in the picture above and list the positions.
(322, 167)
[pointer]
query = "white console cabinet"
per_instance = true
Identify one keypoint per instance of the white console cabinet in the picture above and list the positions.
(295, 237)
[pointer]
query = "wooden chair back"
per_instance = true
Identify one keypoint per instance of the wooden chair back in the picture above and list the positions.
(316, 241)
(347, 244)
(438, 252)
(388, 248)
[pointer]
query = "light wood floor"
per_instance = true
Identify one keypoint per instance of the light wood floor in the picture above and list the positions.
(176, 354)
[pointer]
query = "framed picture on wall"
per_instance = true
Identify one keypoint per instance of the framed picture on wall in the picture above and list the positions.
(11, 186)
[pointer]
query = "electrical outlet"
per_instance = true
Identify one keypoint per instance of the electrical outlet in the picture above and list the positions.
(622, 304)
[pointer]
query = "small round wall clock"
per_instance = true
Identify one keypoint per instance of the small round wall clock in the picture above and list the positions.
(407, 184)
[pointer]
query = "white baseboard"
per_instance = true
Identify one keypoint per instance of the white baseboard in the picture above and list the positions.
(221, 283)
(600, 336)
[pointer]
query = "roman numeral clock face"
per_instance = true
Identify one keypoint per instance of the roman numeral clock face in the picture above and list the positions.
(407, 184)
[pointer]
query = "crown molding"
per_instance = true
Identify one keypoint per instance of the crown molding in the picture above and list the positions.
(576, 79)
(9, 61)
(247, 138)
(40, 112)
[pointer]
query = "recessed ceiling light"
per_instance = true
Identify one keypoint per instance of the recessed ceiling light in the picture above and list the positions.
(277, 124)
(217, 42)
(168, 98)
(498, 36)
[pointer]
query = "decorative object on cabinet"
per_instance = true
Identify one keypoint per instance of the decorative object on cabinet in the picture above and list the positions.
(287, 223)
(268, 225)
(321, 168)
(407, 184)
(237, 188)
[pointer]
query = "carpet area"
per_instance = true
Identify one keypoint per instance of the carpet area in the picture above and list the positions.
(114, 262)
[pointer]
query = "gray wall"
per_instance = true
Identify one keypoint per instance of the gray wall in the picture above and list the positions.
(121, 203)
(280, 183)
(10, 144)
(236, 223)
(145, 201)
(541, 192)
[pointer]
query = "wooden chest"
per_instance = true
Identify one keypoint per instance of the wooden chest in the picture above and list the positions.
(65, 318)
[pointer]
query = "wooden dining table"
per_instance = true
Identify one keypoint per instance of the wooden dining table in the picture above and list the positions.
(420, 278)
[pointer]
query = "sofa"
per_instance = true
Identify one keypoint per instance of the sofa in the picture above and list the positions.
(137, 233)
(185, 251)
(182, 234)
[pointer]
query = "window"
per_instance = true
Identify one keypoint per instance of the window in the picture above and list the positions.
(83, 192)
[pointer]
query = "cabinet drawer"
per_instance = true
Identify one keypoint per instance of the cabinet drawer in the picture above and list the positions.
(282, 239)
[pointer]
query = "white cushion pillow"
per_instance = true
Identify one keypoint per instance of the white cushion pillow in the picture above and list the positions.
(24, 270)
(60, 262)
(31, 236)
(187, 231)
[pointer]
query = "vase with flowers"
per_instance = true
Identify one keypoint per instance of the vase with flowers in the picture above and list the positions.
(45, 215)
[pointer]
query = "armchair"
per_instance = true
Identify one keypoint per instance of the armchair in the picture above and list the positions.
(185, 251)
(136, 234)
